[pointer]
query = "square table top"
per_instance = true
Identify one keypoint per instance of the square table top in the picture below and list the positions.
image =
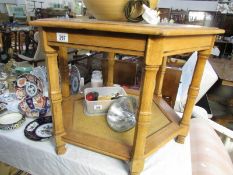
(126, 27)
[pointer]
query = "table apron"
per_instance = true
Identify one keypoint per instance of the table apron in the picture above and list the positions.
(132, 43)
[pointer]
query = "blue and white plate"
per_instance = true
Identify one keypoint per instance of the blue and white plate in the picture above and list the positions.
(28, 85)
(75, 79)
(40, 129)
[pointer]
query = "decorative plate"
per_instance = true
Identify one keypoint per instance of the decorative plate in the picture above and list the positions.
(9, 121)
(75, 79)
(36, 106)
(40, 129)
(41, 73)
(31, 89)
(28, 85)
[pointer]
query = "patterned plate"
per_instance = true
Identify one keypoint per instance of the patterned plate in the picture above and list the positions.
(75, 79)
(36, 106)
(41, 73)
(40, 129)
(28, 85)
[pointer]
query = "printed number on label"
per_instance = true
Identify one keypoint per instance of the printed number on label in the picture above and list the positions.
(97, 107)
(62, 37)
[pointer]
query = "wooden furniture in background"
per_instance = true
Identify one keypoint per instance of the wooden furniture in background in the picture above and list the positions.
(165, 13)
(179, 16)
(4, 18)
(225, 47)
(50, 12)
(157, 123)
(224, 21)
(1, 43)
(224, 70)
(221, 95)
(39, 55)
(171, 84)
(125, 73)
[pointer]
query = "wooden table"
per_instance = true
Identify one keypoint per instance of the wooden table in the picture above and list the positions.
(224, 70)
(157, 123)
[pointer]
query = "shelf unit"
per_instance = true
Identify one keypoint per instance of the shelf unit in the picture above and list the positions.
(157, 123)
(95, 134)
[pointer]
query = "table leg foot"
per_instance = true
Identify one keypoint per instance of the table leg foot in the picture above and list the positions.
(136, 167)
(60, 149)
(135, 173)
(180, 139)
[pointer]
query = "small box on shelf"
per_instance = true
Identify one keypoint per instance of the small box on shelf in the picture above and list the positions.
(105, 98)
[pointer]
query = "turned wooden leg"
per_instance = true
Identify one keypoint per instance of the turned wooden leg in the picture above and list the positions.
(54, 93)
(151, 67)
(56, 99)
(192, 94)
(111, 62)
(135, 173)
(144, 118)
(159, 80)
(64, 71)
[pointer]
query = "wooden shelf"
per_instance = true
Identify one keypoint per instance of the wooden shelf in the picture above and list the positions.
(94, 133)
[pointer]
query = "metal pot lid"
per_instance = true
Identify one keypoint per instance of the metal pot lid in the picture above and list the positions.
(121, 115)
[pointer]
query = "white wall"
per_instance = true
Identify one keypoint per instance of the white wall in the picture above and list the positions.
(20, 1)
(3, 7)
(190, 5)
(8, 1)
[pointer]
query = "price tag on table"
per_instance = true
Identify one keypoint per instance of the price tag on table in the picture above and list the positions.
(98, 107)
(62, 37)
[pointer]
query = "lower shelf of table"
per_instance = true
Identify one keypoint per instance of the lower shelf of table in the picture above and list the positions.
(93, 133)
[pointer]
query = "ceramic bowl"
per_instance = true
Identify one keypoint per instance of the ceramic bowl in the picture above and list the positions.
(23, 70)
(9, 121)
(110, 10)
